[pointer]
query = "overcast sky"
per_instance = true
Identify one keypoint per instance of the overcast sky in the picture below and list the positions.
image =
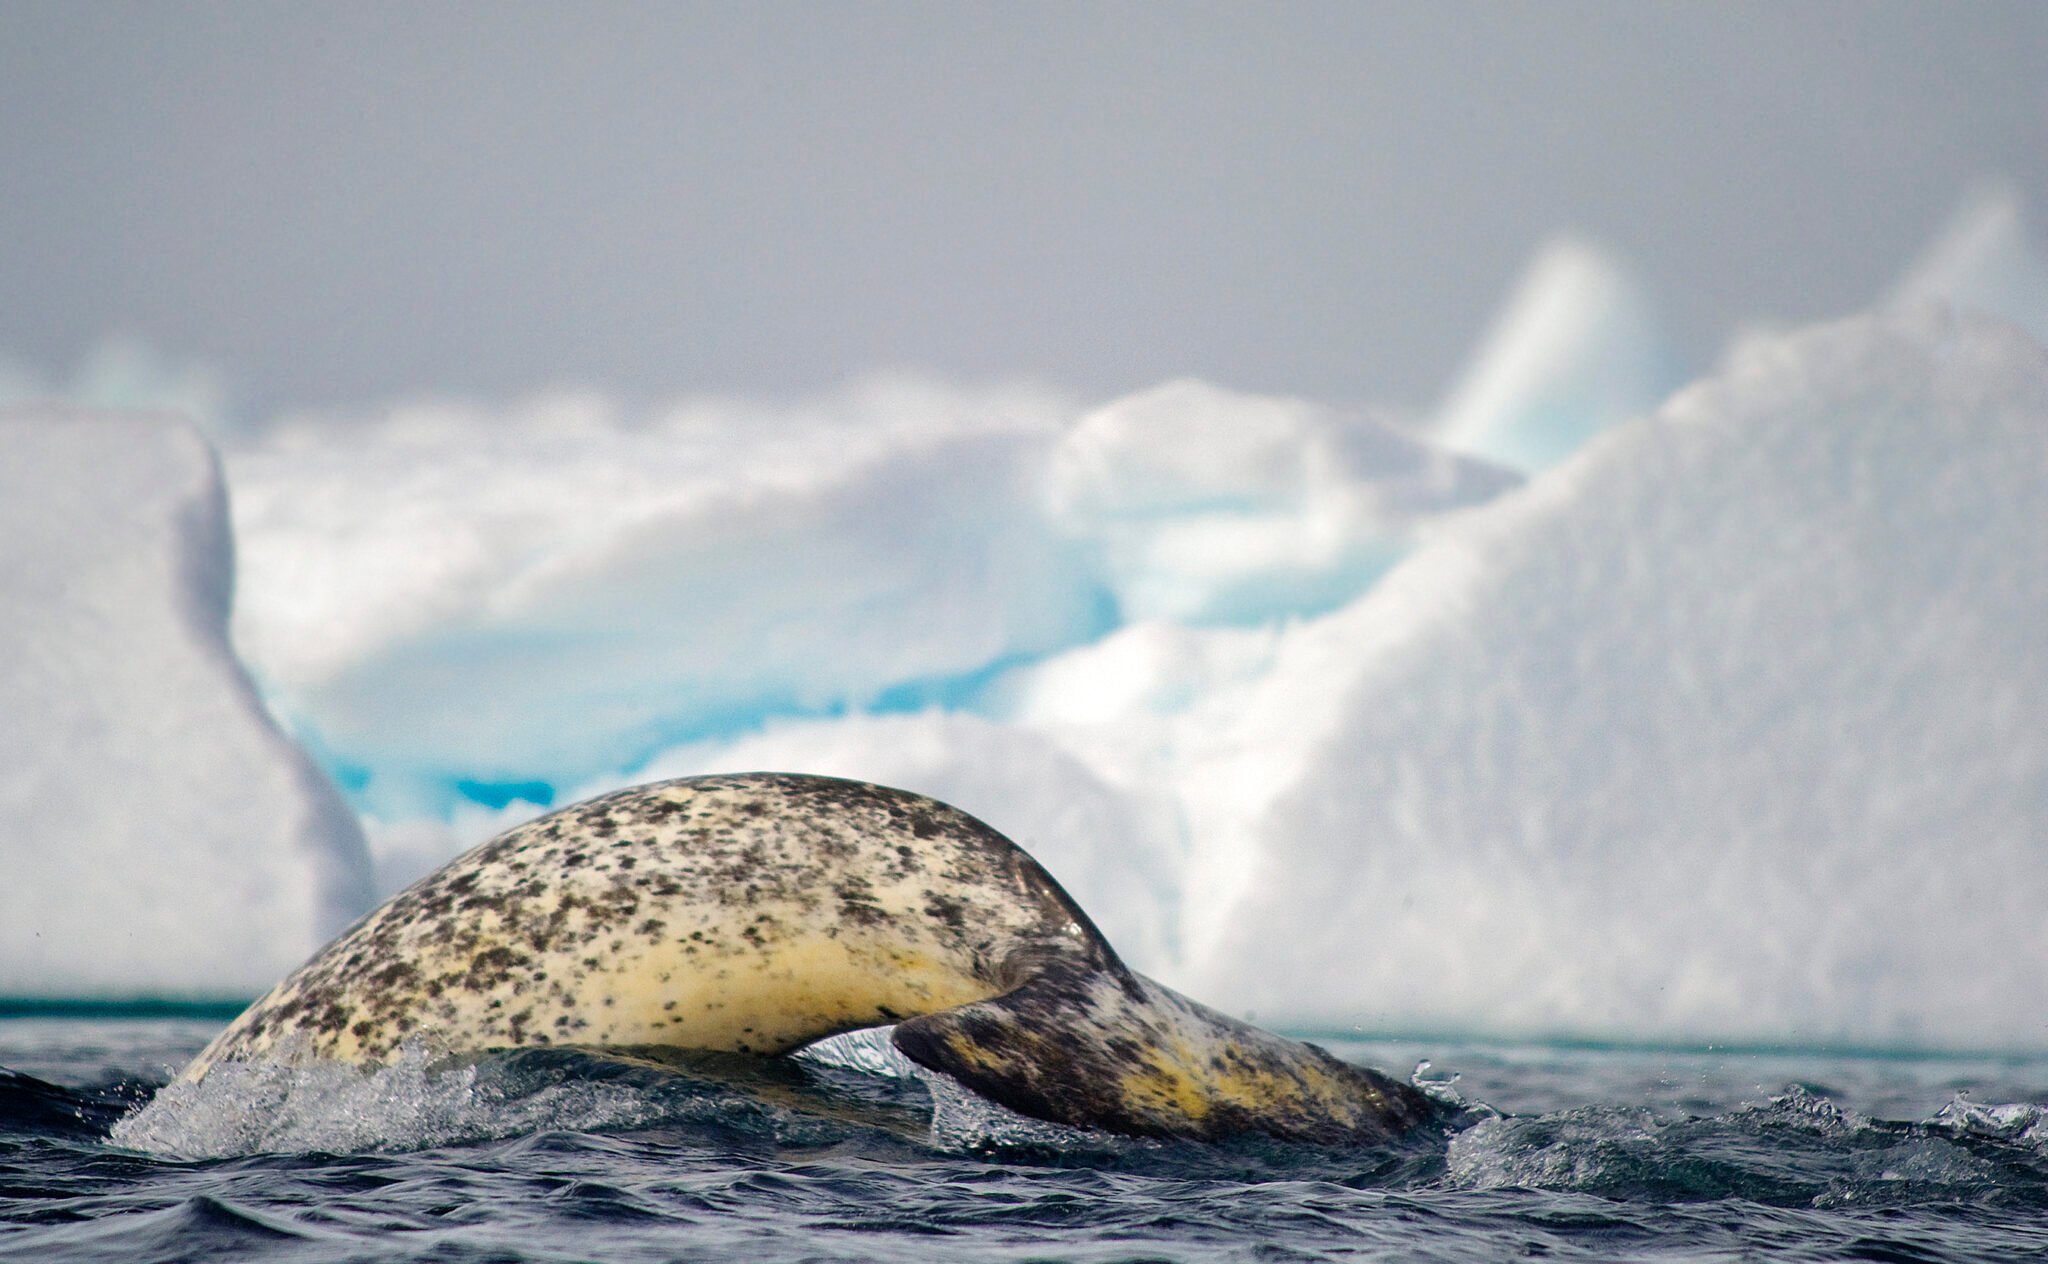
(342, 203)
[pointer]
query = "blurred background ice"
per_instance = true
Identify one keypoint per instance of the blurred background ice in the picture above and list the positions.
(160, 833)
(1425, 517)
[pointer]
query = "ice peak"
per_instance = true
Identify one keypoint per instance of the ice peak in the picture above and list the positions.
(1576, 348)
(1984, 260)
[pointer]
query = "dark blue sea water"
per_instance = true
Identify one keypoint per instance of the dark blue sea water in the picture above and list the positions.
(1566, 1153)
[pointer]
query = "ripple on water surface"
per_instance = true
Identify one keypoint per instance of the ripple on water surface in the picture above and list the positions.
(851, 1153)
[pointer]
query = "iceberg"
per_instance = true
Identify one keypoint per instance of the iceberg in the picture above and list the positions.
(445, 597)
(452, 603)
(1205, 505)
(1576, 349)
(160, 835)
(1723, 721)
(1730, 727)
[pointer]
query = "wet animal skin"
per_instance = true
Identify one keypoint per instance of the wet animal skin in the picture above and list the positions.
(756, 913)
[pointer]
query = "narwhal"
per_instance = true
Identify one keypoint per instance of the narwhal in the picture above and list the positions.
(760, 912)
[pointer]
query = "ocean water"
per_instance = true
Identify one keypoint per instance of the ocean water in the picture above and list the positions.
(1553, 1151)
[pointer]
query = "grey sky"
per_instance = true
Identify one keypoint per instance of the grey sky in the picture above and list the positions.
(341, 203)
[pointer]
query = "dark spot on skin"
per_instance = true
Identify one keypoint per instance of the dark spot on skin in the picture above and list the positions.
(492, 967)
(857, 902)
(945, 909)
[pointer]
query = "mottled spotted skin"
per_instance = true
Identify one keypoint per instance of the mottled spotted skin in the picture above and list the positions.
(1111, 1049)
(756, 913)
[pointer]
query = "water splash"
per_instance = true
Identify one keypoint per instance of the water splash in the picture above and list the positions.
(962, 1120)
(870, 1050)
(411, 1104)
(1798, 1148)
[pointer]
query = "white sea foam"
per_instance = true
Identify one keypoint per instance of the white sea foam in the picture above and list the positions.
(413, 1103)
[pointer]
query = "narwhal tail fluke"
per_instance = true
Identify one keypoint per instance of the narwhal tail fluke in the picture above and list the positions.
(1110, 1049)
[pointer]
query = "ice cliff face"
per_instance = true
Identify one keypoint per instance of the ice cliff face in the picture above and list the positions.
(160, 834)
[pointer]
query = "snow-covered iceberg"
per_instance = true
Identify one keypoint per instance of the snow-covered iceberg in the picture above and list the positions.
(451, 597)
(1207, 505)
(457, 602)
(1730, 727)
(158, 834)
(1725, 724)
